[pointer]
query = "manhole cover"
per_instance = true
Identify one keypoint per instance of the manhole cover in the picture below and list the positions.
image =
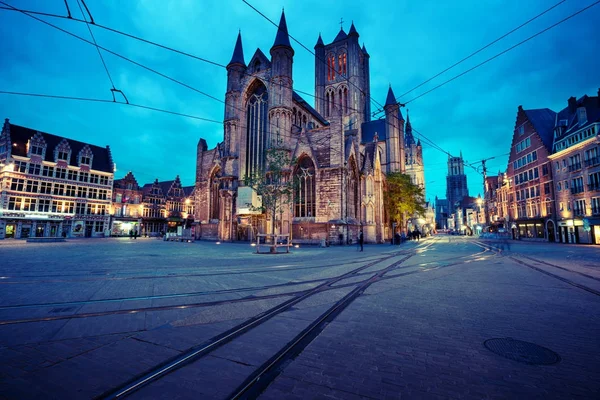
(524, 352)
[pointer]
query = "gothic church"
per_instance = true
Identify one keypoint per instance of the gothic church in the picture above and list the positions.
(340, 155)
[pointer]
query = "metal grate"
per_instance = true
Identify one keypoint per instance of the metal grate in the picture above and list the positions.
(523, 352)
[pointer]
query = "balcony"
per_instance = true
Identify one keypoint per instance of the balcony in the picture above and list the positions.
(579, 212)
(594, 187)
(577, 190)
(592, 162)
(574, 167)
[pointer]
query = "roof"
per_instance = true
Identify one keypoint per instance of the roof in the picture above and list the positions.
(364, 50)
(298, 99)
(188, 190)
(543, 121)
(391, 99)
(19, 135)
(340, 36)
(592, 109)
(319, 42)
(352, 30)
(122, 183)
(282, 38)
(238, 52)
(370, 128)
(368, 161)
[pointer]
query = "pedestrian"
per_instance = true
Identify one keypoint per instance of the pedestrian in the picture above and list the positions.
(130, 233)
(416, 235)
(403, 237)
(135, 234)
(361, 240)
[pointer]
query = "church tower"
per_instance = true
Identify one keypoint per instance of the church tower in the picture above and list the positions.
(342, 84)
(395, 139)
(414, 158)
(235, 72)
(456, 181)
(280, 101)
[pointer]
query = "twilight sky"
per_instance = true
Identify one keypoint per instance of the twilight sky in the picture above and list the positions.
(408, 41)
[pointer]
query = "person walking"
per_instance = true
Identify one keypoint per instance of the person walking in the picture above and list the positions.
(361, 240)
(130, 233)
(135, 233)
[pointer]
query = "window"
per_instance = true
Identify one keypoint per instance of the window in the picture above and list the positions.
(17, 184)
(331, 67)
(14, 203)
(59, 189)
(102, 194)
(85, 160)
(518, 195)
(34, 169)
(79, 208)
(104, 179)
(305, 189)
(545, 169)
(32, 186)
(566, 185)
(99, 227)
(595, 205)
(558, 166)
(594, 181)
(46, 188)
(20, 166)
(93, 193)
(81, 191)
(558, 187)
(94, 178)
(579, 207)
(536, 173)
(546, 188)
(47, 171)
(36, 150)
(256, 130)
(534, 155)
(61, 173)
(29, 204)
(43, 205)
(70, 190)
(521, 129)
(72, 175)
(63, 155)
(83, 176)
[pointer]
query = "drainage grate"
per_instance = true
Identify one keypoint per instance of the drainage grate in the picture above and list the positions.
(524, 352)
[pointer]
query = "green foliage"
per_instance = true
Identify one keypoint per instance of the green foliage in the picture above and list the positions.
(274, 185)
(403, 198)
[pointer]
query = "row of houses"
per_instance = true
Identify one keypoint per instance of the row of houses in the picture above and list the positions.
(52, 186)
(551, 188)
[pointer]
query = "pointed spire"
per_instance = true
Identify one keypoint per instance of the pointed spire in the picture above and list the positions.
(282, 38)
(364, 50)
(353, 30)
(238, 52)
(391, 99)
(408, 136)
(319, 41)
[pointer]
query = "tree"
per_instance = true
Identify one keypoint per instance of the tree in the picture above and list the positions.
(274, 184)
(402, 198)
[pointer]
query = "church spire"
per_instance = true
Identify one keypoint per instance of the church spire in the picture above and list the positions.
(353, 31)
(319, 41)
(238, 52)
(282, 38)
(409, 140)
(391, 99)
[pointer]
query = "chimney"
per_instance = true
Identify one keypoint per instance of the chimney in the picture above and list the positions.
(572, 104)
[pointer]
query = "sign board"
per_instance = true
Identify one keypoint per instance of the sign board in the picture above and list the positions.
(247, 201)
(586, 225)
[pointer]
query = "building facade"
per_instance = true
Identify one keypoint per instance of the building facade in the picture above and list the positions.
(339, 155)
(126, 210)
(52, 186)
(456, 182)
(576, 169)
(531, 212)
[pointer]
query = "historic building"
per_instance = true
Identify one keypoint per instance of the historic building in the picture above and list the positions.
(167, 207)
(442, 213)
(576, 168)
(456, 182)
(126, 209)
(530, 193)
(415, 167)
(52, 186)
(340, 157)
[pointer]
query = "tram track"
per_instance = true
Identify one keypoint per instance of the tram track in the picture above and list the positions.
(262, 377)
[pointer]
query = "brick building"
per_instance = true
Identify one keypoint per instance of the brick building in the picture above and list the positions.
(576, 169)
(166, 207)
(528, 193)
(341, 156)
(126, 210)
(52, 186)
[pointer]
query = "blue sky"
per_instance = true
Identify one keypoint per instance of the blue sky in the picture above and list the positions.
(408, 42)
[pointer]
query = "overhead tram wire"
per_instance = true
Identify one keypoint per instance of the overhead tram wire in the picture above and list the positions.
(88, 99)
(504, 52)
(481, 49)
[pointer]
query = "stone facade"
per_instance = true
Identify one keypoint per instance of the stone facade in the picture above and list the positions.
(339, 155)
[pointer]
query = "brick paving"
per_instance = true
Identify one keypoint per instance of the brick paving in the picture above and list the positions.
(413, 336)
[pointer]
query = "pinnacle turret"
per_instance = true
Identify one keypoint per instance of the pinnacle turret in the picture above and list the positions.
(353, 31)
(238, 52)
(391, 99)
(319, 42)
(282, 38)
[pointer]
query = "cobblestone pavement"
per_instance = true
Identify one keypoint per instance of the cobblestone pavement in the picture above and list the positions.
(82, 317)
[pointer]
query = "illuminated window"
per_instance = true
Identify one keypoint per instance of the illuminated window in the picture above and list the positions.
(305, 189)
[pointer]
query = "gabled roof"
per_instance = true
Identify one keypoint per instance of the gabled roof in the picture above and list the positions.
(368, 161)
(260, 56)
(122, 183)
(19, 135)
(340, 36)
(543, 121)
(298, 99)
(188, 190)
(592, 109)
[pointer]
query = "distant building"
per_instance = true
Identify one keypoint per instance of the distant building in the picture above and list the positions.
(53, 186)
(167, 207)
(414, 158)
(490, 202)
(442, 213)
(126, 210)
(456, 182)
(576, 169)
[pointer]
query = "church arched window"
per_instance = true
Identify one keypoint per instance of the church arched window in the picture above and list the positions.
(331, 67)
(215, 208)
(345, 100)
(256, 129)
(304, 192)
(342, 64)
